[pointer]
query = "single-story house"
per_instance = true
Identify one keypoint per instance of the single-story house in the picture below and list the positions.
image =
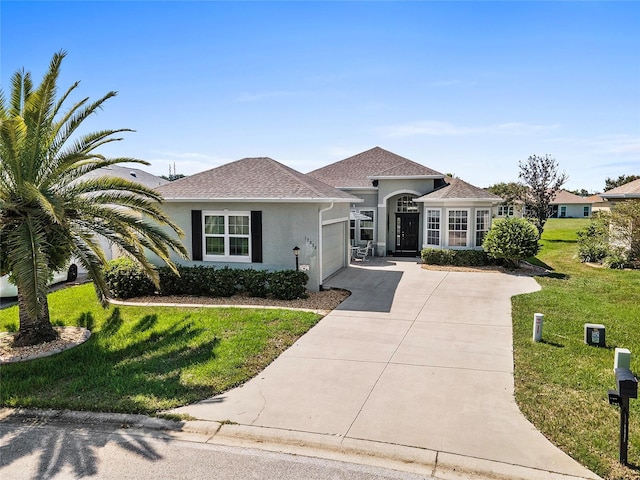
(625, 235)
(514, 209)
(568, 205)
(623, 192)
(251, 213)
(128, 173)
(599, 204)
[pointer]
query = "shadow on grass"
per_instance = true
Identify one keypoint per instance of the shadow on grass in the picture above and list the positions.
(552, 344)
(557, 276)
(55, 446)
(558, 240)
(539, 263)
(113, 372)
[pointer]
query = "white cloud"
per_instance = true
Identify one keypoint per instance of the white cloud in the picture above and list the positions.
(617, 144)
(438, 128)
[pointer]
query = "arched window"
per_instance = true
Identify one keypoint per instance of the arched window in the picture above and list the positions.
(405, 204)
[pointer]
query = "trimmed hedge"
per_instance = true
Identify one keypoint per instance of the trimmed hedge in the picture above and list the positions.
(126, 279)
(458, 258)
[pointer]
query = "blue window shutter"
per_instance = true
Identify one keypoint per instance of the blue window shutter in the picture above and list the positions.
(256, 236)
(196, 234)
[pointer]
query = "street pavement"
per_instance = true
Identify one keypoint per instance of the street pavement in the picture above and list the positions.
(413, 371)
(72, 446)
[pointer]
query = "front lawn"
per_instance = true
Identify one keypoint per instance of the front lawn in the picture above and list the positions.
(561, 384)
(143, 359)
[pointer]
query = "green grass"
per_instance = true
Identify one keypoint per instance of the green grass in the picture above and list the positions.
(561, 384)
(143, 359)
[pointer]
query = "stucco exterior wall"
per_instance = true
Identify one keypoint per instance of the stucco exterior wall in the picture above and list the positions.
(574, 210)
(284, 226)
(388, 188)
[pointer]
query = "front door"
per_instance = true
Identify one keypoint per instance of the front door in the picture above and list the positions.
(407, 230)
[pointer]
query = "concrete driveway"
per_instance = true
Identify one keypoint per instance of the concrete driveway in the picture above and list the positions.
(416, 366)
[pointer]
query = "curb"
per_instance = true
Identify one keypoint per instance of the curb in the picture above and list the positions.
(437, 464)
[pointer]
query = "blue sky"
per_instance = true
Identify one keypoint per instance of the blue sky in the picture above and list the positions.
(468, 88)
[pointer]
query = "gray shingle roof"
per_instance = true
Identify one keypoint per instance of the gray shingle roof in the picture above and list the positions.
(628, 190)
(252, 179)
(564, 197)
(456, 188)
(128, 173)
(359, 170)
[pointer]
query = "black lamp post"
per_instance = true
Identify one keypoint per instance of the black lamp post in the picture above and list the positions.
(296, 252)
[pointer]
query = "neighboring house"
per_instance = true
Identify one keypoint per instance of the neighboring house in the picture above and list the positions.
(410, 206)
(599, 204)
(134, 174)
(624, 235)
(515, 209)
(568, 205)
(623, 192)
(251, 213)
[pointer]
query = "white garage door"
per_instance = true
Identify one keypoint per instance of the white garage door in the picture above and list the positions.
(334, 243)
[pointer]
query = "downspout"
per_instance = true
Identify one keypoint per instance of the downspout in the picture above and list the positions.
(322, 210)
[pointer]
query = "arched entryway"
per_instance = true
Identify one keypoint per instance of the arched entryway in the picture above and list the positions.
(405, 218)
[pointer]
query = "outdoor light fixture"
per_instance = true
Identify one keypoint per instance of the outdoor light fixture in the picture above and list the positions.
(296, 252)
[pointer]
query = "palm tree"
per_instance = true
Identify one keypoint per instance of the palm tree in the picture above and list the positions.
(49, 212)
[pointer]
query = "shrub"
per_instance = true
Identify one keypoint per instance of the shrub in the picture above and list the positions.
(256, 282)
(433, 256)
(593, 241)
(511, 240)
(617, 257)
(223, 283)
(288, 284)
(126, 279)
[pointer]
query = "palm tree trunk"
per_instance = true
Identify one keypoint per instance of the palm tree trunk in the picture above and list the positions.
(34, 330)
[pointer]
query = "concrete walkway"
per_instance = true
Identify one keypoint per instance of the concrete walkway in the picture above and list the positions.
(416, 367)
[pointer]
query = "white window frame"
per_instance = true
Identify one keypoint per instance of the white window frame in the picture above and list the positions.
(428, 224)
(226, 257)
(505, 210)
(359, 227)
(586, 211)
(407, 204)
(562, 213)
(466, 242)
(487, 225)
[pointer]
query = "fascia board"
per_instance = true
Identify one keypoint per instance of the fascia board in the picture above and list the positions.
(263, 200)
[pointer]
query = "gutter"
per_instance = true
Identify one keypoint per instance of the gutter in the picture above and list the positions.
(322, 210)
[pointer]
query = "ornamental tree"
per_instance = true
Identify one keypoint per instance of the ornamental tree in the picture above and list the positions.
(541, 175)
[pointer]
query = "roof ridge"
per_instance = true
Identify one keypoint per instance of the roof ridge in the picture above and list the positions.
(294, 173)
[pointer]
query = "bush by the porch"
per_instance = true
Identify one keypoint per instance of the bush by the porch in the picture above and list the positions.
(511, 240)
(459, 258)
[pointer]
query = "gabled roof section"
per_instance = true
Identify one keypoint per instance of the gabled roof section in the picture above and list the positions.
(564, 197)
(628, 190)
(359, 171)
(257, 179)
(458, 189)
